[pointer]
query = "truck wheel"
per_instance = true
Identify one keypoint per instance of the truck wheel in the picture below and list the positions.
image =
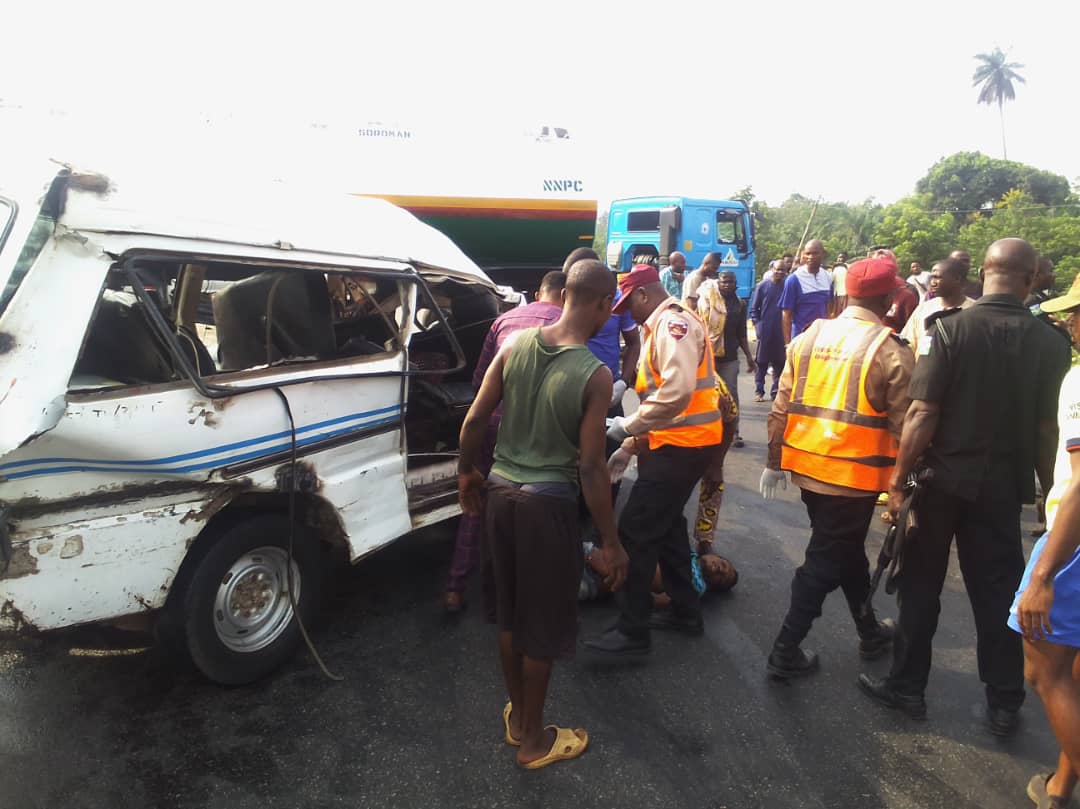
(238, 618)
(646, 258)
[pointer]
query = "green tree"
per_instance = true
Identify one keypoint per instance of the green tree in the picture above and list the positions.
(994, 77)
(842, 227)
(970, 181)
(849, 229)
(599, 242)
(1055, 234)
(914, 232)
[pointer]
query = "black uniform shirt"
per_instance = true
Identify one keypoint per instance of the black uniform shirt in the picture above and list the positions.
(995, 371)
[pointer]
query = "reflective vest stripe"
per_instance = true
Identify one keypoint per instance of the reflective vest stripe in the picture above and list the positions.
(707, 417)
(874, 461)
(855, 375)
(838, 415)
(705, 383)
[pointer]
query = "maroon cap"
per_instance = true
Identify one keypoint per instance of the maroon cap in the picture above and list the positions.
(872, 277)
(641, 276)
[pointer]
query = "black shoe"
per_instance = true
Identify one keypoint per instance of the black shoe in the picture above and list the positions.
(616, 642)
(874, 645)
(669, 621)
(879, 690)
(787, 662)
(738, 443)
(1003, 721)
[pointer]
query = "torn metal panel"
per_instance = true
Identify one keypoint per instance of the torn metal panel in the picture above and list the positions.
(61, 292)
(97, 569)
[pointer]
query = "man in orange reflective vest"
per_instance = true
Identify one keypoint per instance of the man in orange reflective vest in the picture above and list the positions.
(675, 433)
(835, 425)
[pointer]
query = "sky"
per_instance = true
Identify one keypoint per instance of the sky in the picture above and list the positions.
(846, 100)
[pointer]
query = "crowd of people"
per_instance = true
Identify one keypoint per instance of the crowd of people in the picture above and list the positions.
(934, 395)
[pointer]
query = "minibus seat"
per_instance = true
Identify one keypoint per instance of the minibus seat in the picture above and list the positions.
(435, 414)
(121, 345)
(273, 316)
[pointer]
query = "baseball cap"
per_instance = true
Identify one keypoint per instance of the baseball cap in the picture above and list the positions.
(641, 276)
(871, 277)
(1063, 302)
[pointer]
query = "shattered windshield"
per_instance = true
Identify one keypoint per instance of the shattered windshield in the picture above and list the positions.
(7, 219)
(43, 228)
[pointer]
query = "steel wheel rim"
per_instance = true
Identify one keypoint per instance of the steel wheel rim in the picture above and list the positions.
(252, 606)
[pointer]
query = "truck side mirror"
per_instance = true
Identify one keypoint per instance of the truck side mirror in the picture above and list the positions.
(670, 223)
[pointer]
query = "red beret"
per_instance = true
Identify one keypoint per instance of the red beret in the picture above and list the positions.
(872, 277)
(641, 276)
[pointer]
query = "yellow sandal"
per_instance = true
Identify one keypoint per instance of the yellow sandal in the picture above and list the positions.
(568, 744)
(510, 740)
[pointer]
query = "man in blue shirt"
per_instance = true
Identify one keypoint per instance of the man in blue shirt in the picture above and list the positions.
(605, 345)
(807, 292)
(673, 276)
(765, 315)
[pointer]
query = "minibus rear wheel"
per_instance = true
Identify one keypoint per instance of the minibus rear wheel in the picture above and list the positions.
(239, 620)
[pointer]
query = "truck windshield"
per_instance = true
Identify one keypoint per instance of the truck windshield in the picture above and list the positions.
(730, 229)
(643, 221)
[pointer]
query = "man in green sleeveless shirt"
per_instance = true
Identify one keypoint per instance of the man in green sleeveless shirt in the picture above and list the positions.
(555, 396)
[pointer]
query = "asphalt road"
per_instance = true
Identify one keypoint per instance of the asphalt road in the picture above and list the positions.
(87, 722)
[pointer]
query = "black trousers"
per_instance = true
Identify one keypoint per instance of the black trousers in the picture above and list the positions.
(774, 356)
(835, 557)
(652, 528)
(991, 558)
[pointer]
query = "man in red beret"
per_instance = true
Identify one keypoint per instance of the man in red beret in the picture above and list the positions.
(675, 435)
(835, 425)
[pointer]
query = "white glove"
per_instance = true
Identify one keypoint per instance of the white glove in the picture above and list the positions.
(769, 480)
(617, 391)
(616, 431)
(617, 463)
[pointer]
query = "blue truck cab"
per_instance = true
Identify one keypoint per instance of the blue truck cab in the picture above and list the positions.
(645, 230)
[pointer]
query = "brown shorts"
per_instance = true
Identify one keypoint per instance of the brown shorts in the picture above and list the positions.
(536, 554)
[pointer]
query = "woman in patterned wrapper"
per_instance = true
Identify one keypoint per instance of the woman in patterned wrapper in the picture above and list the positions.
(711, 573)
(712, 483)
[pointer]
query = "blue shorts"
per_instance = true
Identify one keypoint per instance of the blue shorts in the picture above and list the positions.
(1065, 612)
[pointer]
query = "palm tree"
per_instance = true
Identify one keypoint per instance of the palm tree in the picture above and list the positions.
(996, 77)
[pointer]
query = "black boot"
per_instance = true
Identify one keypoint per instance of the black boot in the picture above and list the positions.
(1003, 721)
(877, 639)
(879, 690)
(788, 661)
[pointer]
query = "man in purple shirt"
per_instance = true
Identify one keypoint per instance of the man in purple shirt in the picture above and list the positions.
(807, 292)
(544, 311)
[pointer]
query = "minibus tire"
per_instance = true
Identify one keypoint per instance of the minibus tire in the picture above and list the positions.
(241, 578)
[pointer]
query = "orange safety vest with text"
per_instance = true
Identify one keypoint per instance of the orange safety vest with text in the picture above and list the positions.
(833, 433)
(700, 424)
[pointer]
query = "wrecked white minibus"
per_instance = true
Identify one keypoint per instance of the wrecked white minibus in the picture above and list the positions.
(200, 396)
